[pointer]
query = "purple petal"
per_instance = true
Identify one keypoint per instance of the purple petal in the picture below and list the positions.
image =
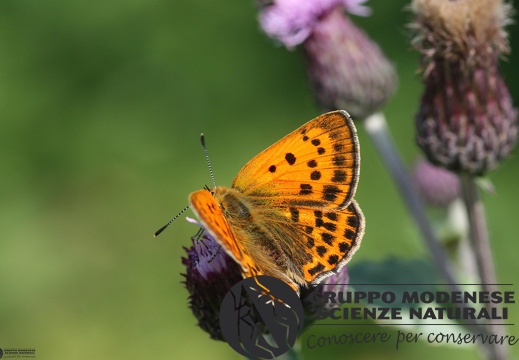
(292, 21)
(355, 7)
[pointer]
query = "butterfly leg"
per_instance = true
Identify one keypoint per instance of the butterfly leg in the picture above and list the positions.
(264, 291)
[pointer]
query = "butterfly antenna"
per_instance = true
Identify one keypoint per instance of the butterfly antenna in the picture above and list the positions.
(202, 139)
(157, 233)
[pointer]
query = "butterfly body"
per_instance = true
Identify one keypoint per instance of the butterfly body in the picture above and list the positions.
(290, 212)
(258, 233)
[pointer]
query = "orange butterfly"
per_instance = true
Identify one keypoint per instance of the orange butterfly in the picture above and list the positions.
(290, 212)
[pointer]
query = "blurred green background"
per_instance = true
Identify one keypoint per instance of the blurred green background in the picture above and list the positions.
(101, 107)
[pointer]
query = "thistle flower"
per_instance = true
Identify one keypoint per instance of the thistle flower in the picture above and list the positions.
(466, 121)
(437, 186)
(346, 69)
(210, 273)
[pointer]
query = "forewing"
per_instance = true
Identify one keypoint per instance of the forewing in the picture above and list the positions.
(316, 165)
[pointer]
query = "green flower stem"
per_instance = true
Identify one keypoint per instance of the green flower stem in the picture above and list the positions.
(478, 231)
(376, 127)
(481, 244)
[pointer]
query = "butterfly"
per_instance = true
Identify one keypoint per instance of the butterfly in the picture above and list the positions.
(290, 211)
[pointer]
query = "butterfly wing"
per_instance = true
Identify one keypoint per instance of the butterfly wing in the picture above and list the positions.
(205, 206)
(329, 238)
(309, 178)
(316, 165)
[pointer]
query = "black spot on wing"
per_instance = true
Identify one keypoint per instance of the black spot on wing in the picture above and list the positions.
(353, 221)
(306, 189)
(294, 213)
(350, 234)
(343, 247)
(333, 259)
(332, 216)
(316, 269)
(330, 192)
(310, 242)
(330, 226)
(338, 147)
(321, 250)
(338, 160)
(316, 142)
(312, 163)
(327, 238)
(290, 158)
(335, 134)
(272, 168)
(339, 176)
(315, 175)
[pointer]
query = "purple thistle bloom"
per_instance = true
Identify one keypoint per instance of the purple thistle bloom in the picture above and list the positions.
(346, 68)
(212, 259)
(210, 273)
(292, 21)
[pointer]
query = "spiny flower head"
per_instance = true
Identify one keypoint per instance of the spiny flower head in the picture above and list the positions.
(466, 121)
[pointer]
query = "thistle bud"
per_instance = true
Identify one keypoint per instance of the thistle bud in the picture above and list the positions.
(466, 121)
(437, 186)
(346, 69)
